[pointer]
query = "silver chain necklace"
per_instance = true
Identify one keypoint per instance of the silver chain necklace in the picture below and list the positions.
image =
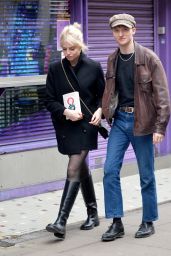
(128, 58)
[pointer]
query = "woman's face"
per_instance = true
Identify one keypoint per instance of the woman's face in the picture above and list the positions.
(71, 52)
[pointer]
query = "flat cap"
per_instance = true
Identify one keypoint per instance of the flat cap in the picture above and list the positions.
(122, 19)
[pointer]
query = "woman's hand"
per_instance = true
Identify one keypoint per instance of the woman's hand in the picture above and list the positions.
(96, 118)
(73, 115)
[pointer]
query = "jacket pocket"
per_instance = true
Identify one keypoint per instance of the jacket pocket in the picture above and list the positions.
(145, 84)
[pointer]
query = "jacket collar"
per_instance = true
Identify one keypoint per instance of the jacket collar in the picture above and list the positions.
(139, 54)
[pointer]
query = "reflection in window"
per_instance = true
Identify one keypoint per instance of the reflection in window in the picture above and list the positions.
(28, 35)
(24, 122)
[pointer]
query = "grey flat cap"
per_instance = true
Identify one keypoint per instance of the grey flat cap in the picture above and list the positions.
(122, 19)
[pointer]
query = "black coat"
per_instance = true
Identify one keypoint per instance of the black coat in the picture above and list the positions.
(87, 78)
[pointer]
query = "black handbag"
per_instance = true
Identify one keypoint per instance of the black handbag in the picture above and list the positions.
(103, 131)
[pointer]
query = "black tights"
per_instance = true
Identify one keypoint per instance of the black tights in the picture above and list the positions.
(77, 166)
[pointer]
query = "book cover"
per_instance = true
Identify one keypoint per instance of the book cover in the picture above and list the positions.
(72, 101)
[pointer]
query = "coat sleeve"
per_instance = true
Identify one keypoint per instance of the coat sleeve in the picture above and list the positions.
(51, 100)
(161, 96)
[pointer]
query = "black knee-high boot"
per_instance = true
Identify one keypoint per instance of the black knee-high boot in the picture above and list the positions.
(69, 195)
(87, 189)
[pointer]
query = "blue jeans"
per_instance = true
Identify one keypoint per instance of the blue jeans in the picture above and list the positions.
(121, 135)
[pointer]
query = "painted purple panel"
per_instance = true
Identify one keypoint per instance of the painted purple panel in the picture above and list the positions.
(165, 53)
(29, 126)
(100, 40)
(79, 14)
(24, 121)
(76, 11)
(31, 190)
(59, 27)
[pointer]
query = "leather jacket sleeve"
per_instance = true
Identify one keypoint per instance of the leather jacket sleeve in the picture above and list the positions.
(161, 96)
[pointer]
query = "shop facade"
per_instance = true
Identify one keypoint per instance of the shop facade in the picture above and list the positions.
(25, 125)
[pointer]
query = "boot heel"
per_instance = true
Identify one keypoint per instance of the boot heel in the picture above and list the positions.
(97, 223)
(60, 236)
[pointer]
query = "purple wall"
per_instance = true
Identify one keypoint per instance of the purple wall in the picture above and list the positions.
(60, 24)
(79, 14)
(164, 51)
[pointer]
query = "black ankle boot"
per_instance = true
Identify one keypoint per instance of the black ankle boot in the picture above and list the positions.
(146, 229)
(88, 193)
(69, 195)
(116, 230)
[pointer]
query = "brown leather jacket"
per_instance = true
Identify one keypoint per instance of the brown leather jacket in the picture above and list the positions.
(151, 95)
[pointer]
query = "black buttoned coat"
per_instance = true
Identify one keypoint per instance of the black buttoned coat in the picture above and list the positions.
(87, 78)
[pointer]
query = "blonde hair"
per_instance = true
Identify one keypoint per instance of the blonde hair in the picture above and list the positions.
(73, 35)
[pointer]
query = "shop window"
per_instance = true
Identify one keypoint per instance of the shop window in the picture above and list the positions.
(28, 44)
(28, 37)
(24, 122)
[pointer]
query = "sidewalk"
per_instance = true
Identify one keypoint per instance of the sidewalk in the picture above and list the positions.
(83, 243)
(30, 214)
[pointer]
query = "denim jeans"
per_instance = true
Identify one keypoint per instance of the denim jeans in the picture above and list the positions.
(121, 135)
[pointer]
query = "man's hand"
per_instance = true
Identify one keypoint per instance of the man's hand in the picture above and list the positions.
(73, 115)
(96, 118)
(157, 138)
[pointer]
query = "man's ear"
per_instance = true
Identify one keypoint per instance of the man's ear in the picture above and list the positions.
(134, 30)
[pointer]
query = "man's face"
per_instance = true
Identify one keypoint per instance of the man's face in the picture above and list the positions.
(123, 35)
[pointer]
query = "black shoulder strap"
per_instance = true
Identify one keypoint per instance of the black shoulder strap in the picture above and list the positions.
(74, 89)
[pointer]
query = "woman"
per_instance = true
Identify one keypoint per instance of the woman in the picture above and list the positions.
(76, 131)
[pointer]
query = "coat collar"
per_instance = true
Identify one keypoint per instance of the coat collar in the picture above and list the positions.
(72, 73)
(82, 58)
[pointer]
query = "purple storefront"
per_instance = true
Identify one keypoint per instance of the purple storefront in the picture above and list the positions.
(26, 133)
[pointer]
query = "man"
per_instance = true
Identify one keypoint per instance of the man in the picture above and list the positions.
(136, 79)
